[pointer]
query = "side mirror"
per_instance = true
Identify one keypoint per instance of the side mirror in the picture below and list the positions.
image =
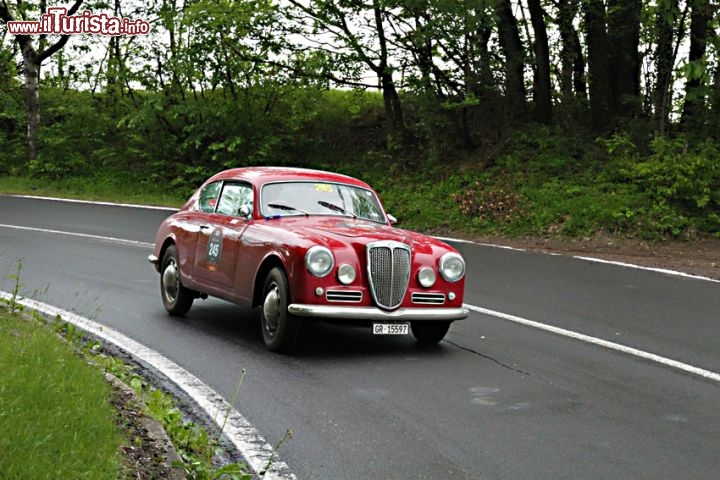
(245, 211)
(392, 219)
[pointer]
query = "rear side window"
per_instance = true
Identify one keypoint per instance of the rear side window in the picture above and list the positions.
(209, 197)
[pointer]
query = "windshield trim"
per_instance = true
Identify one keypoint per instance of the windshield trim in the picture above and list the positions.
(263, 214)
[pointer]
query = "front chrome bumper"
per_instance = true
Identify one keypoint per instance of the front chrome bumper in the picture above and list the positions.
(375, 314)
(154, 260)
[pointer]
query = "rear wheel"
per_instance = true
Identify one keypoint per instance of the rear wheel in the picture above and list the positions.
(279, 328)
(429, 333)
(176, 298)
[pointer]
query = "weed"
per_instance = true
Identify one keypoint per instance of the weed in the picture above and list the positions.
(15, 278)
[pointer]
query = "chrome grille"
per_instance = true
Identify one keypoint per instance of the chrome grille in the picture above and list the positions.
(343, 296)
(389, 272)
(428, 298)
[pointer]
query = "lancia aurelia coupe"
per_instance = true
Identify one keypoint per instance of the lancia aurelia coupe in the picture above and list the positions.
(306, 245)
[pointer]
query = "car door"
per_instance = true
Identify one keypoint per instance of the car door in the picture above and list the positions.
(218, 240)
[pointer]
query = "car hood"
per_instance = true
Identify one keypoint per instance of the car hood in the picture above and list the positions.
(358, 228)
(360, 232)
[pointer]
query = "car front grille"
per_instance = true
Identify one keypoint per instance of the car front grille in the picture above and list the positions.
(389, 272)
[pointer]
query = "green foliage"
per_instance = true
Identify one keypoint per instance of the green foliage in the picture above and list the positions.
(195, 447)
(681, 182)
(542, 180)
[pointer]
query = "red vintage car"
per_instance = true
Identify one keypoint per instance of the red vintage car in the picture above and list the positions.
(304, 245)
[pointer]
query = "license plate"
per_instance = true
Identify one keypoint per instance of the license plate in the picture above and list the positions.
(391, 328)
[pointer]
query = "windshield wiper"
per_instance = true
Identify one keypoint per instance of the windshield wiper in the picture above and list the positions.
(336, 208)
(287, 208)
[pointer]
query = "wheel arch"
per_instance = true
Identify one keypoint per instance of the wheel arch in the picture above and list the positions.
(168, 241)
(268, 264)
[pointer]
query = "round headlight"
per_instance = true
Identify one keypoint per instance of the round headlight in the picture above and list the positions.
(346, 274)
(319, 261)
(452, 267)
(427, 277)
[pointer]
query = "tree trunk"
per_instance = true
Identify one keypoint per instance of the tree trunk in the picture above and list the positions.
(542, 89)
(393, 108)
(512, 48)
(579, 81)
(715, 92)
(623, 21)
(572, 80)
(664, 58)
(598, 63)
(694, 96)
(31, 72)
(715, 95)
(567, 51)
(391, 100)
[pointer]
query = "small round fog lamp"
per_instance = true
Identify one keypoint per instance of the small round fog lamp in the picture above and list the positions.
(346, 274)
(426, 277)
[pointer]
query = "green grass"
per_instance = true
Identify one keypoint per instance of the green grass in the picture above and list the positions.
(113, 188)
(55, 416)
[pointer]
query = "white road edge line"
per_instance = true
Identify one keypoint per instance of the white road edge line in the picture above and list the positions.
(122, 241)
(587, 259)
(257, 452)
(651, 269)
(597, 341)
(91, 202)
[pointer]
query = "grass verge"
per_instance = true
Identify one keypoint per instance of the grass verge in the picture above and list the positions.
(61, 419)
(55, 416)
(113, 188)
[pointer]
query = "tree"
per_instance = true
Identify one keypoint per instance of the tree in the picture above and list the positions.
(623, 22)
(666, 16)
(446, 61)
(572, 62)
(358, 30)
(33, 54)
(542, 89)
(513, 51)
(598, 62)
(695, 95)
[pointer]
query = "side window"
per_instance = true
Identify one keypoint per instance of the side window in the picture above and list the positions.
(209, 197)
(234, 196)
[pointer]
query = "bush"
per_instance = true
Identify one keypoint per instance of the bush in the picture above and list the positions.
(682, 183)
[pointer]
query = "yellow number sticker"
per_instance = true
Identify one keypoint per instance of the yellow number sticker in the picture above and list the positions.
(323, 187)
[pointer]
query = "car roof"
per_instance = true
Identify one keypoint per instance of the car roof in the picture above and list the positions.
(263, 175)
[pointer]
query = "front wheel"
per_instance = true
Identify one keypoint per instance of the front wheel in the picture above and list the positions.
(279, 328)
(429, 333)
(176, 298)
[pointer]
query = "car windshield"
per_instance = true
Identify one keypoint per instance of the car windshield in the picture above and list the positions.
(320, 198)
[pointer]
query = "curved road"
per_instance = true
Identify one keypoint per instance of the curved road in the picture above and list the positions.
(496, 400)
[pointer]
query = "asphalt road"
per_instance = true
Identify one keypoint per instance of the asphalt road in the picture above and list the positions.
(496, 400)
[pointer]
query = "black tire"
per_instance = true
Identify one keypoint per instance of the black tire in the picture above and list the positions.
(279, 328)
(429, 333)
(176, 298)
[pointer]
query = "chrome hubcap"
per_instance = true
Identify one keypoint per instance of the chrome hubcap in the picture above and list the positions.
(271, 308)
(171, 281)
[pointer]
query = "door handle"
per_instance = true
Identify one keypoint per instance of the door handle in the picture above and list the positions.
(204, 227)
